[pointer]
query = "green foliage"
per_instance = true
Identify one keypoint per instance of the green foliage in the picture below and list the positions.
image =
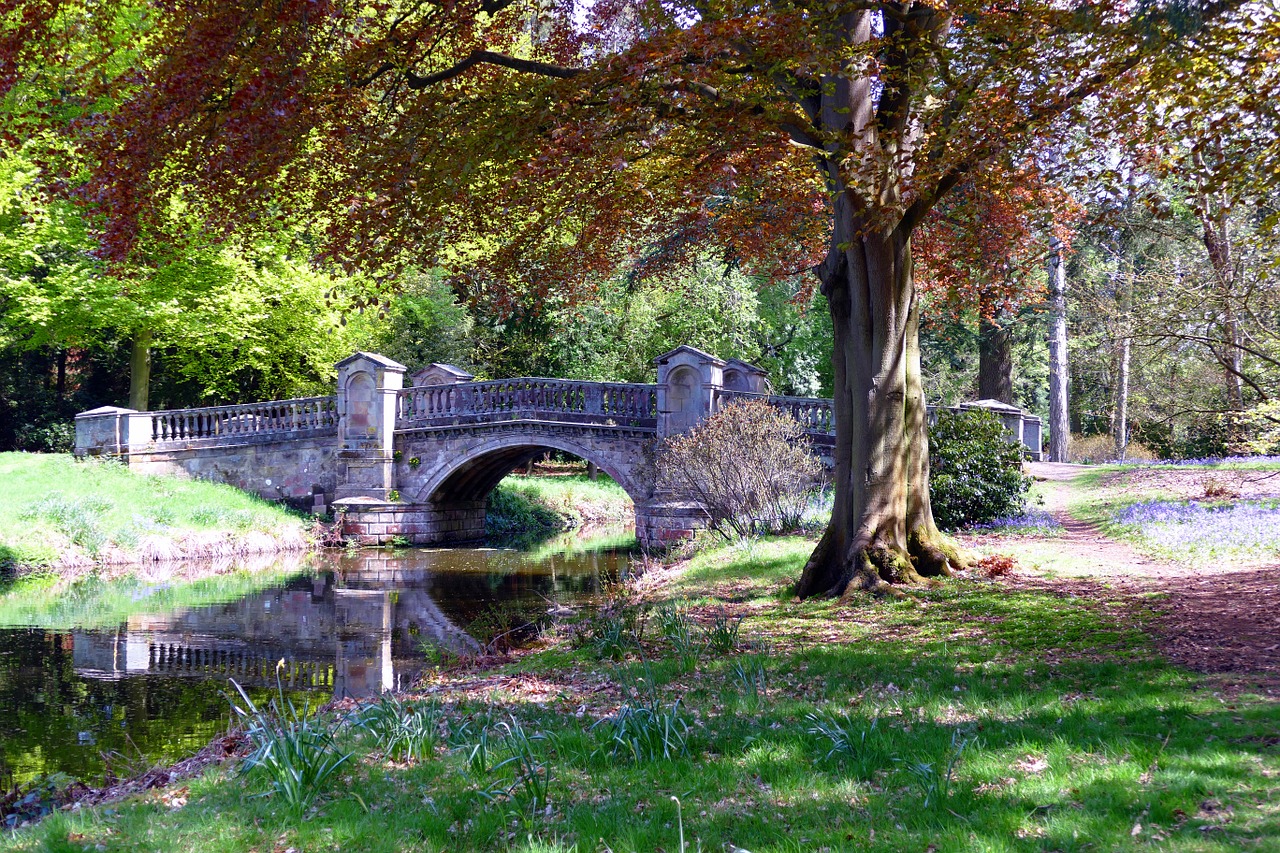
(401, 731)
(424, 323)
(645, 731)
(752, 680)
(611, 634)
(530, 507)
(860, 747)
(294, 752)
(722, 637)
(933, 778)
(678, 629)
(514, 512)
(975, 473)
(530, 786)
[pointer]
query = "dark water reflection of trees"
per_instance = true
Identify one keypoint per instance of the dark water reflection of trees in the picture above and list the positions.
(152, 687)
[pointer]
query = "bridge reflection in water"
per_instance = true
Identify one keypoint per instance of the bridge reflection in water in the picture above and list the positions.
(366, 624)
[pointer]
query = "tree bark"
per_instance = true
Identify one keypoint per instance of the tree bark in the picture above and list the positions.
(1121, 422)
(1059, 427)
(882, 530)
(995, 360)
(1124, 347)
(140, 370)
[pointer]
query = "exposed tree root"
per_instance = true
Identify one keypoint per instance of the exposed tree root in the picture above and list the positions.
(879, 568)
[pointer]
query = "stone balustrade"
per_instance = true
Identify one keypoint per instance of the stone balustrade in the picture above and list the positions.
(814, 414)
(302, 416)
(533, 398)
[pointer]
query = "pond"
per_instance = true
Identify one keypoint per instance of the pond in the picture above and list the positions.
(114, 677)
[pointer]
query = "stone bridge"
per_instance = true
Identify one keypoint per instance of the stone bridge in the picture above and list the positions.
(419, 462)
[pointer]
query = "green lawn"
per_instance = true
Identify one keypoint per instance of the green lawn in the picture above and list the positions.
(55, 511)
(977, 717)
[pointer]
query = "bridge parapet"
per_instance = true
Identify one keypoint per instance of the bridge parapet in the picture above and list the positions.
(814, 414)
(533, 398)
(228, 424)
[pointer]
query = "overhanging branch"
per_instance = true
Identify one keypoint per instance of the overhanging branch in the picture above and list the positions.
(488, 57)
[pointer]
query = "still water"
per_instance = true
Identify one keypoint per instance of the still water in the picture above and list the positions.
(114, 677)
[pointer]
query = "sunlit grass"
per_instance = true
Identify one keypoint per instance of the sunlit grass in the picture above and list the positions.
(1003, 720)
(56, 510)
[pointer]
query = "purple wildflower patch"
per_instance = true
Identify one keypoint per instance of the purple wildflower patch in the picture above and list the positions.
(1214, 460)
(1201, 533)
(1032, 522)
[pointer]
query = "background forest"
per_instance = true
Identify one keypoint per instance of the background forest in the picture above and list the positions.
(1174, 325)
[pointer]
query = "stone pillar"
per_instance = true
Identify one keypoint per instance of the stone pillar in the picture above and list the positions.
(741, 376)
(439, 374)
(688, 381)
(368, 389)
(112, 431)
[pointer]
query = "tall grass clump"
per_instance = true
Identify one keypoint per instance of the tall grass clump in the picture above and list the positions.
(933, 779)
(645, 731)
(401, 731)
(678, 629)
(530, 786)
(860, 747)
(294, 752)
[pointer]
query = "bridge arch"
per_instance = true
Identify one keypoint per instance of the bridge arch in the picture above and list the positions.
(472, 472)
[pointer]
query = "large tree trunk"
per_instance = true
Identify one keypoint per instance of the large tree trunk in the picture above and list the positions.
(1059, 427)
(140, 370)
(995, 360)
(882, 530)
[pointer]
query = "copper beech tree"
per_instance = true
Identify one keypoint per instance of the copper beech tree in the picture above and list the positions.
(531, 145)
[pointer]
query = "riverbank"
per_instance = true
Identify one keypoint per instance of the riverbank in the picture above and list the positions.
(993, 713)
(554, 500)
(67, 517)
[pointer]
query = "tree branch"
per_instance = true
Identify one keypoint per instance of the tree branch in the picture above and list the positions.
(479, 57)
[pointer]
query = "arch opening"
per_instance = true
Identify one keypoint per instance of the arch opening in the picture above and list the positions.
(466, 482)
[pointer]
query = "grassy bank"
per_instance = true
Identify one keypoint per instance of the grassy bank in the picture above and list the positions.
(539, 506)
(982, 716)
(60, 514)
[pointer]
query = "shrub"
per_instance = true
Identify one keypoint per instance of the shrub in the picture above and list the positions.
(1095, 449)
(748, 464)
(975, 474)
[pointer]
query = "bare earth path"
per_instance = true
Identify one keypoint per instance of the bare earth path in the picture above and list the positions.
(1222, 620)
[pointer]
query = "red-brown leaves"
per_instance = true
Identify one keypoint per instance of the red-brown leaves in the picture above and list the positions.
(683, 126)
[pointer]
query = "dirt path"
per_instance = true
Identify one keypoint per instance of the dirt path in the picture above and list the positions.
(1224, 620)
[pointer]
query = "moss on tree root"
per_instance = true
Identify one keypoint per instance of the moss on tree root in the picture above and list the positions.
(882, 568)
